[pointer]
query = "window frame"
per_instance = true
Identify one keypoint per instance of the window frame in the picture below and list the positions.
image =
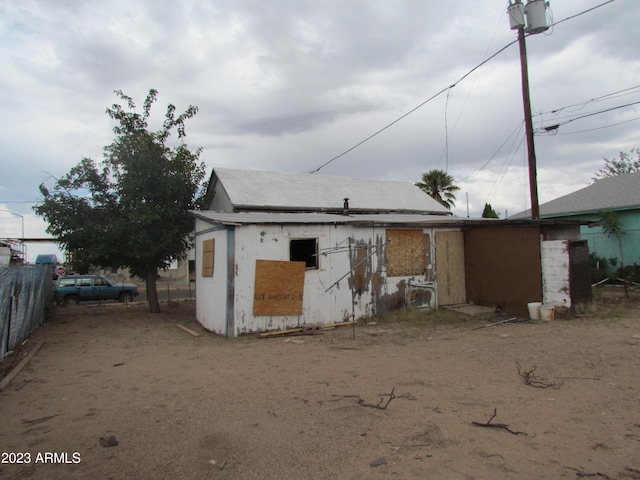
(303, 252)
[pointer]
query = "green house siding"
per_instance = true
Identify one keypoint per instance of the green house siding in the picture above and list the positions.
(603, 246)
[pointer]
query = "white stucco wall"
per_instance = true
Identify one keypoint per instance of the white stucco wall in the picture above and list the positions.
(555, 272)
(271, 242)
(267, 242)
(211, 292)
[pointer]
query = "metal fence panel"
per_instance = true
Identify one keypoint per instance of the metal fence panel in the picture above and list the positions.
(26, 292)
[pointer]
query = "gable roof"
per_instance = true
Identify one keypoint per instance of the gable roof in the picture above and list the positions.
(621, 192)
(257, 190)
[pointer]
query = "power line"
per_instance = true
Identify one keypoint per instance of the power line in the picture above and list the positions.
(557, 125)
(450, 136)
(582, 13)
(504, 170)
(413, 109)
(446, 131)
(515, 133)
(596, 128)
(443, 90)
(609, 96)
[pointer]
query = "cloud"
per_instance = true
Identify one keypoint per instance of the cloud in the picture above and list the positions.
(288, 86)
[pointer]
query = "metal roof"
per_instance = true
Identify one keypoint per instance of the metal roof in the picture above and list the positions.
(257, 190)
(621, 192)
(265, 218)
(243, 218)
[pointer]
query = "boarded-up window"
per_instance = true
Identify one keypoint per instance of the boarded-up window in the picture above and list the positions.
(208, 254)
(279, 288)
(405, 252)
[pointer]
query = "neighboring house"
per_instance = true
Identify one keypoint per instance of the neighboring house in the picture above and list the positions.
(12, 252)
(619, 194)
(276, 251)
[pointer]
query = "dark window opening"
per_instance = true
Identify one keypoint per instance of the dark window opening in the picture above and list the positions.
(192, 270)
(304, 250)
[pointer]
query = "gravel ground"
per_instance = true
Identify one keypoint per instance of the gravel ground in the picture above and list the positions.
(116, 392)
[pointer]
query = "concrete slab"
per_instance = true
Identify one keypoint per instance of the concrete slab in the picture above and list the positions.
(469, 309)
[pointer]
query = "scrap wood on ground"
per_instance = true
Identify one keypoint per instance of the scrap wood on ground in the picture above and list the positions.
(303, 330)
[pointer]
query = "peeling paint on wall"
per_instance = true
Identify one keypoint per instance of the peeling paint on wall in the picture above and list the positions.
(394, 301)
(360, 261)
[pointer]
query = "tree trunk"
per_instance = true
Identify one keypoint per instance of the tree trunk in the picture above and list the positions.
(152, 291)
(622, 274)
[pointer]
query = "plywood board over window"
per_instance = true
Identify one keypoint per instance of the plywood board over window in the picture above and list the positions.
(208, 254)
(279, 288)
(450, 268)
(405, 252)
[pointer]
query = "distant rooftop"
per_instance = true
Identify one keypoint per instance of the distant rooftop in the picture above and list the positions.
(249, 190)
(621, 192)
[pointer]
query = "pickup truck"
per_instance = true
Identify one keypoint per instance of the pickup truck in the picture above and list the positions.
(78, 288)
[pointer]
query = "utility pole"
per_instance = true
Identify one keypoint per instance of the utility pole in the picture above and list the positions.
(535, 12)
(528, 124)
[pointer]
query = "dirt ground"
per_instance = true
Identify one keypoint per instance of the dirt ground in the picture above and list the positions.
(398, 401)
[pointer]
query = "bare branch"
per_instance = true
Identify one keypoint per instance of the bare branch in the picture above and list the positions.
(531, 379)
(503, 426)
(381, 405)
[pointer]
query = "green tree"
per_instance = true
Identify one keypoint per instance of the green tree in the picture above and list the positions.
(132, 210)
(620, 166)
(489, 212)
(612, 228)
(439, 185)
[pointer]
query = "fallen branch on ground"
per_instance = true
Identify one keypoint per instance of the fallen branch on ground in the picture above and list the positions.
(531, 379)
(508, 320)
(631, 472)
(381, 405)
(581, 473)
(303, 330)
(503, 426)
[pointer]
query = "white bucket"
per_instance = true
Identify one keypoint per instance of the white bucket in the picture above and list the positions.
(547, 312)
(534, 310)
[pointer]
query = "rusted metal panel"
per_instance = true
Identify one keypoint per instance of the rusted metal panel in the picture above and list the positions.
(361, 266)
(503, 267)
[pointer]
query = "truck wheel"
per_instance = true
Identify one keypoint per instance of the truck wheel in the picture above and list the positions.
(126, 297)
(71, 300)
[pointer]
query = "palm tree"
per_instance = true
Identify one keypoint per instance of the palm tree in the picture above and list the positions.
(438, 184)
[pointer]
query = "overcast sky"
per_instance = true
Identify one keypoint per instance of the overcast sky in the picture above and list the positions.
(289, 85)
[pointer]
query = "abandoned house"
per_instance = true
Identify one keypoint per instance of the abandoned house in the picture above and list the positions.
(277, 251)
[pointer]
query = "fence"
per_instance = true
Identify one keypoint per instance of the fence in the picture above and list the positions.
(25, 294)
